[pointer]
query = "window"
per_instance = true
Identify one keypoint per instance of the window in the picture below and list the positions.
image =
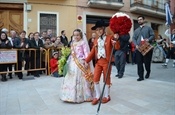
(48, 21)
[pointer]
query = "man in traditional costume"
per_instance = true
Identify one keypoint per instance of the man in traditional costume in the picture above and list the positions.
(101, 51)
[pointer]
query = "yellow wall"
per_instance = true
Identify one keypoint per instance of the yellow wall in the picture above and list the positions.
(13, 1)
(84, 9)
(66, 13)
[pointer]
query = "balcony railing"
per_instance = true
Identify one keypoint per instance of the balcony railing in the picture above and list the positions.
(150, 7)
(106, 4)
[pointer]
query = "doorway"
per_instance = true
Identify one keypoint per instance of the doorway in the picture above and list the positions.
(11, 16)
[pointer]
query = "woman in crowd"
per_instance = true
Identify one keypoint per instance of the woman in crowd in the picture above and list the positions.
(30, 36)
(58, 43)
(4, 44)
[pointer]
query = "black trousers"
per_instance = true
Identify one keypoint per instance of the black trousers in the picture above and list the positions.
(35, 63)
(143, 60)
(3, 68)
(19, 65)
(120, 61)
(9, 66)
(171, 53)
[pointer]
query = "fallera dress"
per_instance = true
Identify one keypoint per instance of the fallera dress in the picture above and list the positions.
(75, 87)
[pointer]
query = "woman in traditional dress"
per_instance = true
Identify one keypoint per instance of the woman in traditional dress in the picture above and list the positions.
(77, 85)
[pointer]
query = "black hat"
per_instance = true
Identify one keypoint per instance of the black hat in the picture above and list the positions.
(99, 23)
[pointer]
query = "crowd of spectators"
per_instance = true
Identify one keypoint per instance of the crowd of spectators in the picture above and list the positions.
(32, 60)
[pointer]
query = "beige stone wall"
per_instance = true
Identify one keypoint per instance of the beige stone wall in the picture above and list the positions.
(68, 11)
(83, 9)
(13, 1)
(66, 14)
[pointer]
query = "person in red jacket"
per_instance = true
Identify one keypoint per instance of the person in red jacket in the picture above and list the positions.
(54, 64)
(101, 51)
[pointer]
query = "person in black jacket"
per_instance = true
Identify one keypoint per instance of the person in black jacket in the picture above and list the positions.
(120, 55)
(22, 43)
(37, 44)
(63, 37)
(4, 44)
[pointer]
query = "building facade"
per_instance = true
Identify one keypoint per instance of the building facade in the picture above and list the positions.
(172, 8)
(40, 15)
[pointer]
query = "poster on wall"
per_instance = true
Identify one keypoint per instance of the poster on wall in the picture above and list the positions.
(8, 56)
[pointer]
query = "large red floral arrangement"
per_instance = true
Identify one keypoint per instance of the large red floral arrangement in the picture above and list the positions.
(120, 23)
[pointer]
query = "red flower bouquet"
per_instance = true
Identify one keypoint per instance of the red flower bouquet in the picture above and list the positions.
(120, 23)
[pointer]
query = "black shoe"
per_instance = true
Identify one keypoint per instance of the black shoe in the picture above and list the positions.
(60, 75)
(140, 79)
(10, 76)
(147, 76)
(120, 76)
(2, 79)
(20, 77)
(36, 75)
(28, 73)
(117, 75)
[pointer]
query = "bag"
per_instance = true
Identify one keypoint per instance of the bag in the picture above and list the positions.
(65, 69)
(145, 48)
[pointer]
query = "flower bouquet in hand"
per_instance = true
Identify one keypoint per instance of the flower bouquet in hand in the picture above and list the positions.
(65, 52)
(120, 23)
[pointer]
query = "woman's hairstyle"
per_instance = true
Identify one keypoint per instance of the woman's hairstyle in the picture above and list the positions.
(22, 32)
(30, 34)
(5, 35)
(62, 32)
(78, 30)
(46, 38)
(36, 33)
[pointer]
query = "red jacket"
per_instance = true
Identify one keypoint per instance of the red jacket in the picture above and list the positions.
(53, 65)
(108, 49)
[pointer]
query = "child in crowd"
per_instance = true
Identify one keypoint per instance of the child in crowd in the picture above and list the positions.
(54, 64)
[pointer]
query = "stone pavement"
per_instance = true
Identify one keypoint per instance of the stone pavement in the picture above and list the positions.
(40, 96)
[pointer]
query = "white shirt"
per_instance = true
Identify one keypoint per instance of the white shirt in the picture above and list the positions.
(10, 39)
(36, 42)
(101, 48)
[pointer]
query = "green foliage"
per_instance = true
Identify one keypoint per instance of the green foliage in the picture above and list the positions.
(65, 51)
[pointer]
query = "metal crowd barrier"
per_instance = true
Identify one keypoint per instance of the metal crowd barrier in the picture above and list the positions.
(10, 56)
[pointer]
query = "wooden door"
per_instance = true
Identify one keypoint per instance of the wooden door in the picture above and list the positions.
(11, 17)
